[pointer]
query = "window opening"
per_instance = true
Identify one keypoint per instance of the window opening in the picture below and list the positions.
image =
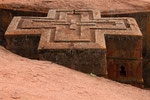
(123, 71)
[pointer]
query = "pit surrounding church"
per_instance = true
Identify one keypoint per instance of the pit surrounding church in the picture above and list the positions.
(81, 40)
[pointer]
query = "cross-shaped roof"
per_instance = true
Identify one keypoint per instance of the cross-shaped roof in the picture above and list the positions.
(77, 29)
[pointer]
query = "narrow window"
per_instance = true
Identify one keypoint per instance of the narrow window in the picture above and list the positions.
(123, 71)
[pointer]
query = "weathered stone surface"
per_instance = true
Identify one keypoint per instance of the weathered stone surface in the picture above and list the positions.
(19, 42)
(25, 46)
(124, 46)
(85, 60)
(76, 39)
(108, 6)
(132, 67)
(146, 74)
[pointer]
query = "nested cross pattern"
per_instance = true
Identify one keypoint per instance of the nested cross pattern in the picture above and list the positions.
(73, 29)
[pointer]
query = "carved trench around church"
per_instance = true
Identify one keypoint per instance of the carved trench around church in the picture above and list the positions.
(37, 38)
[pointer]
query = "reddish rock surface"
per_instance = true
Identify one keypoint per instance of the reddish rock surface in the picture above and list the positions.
(119, 6)
(25, 79)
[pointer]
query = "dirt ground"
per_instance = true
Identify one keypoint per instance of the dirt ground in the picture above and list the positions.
(25, 79)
